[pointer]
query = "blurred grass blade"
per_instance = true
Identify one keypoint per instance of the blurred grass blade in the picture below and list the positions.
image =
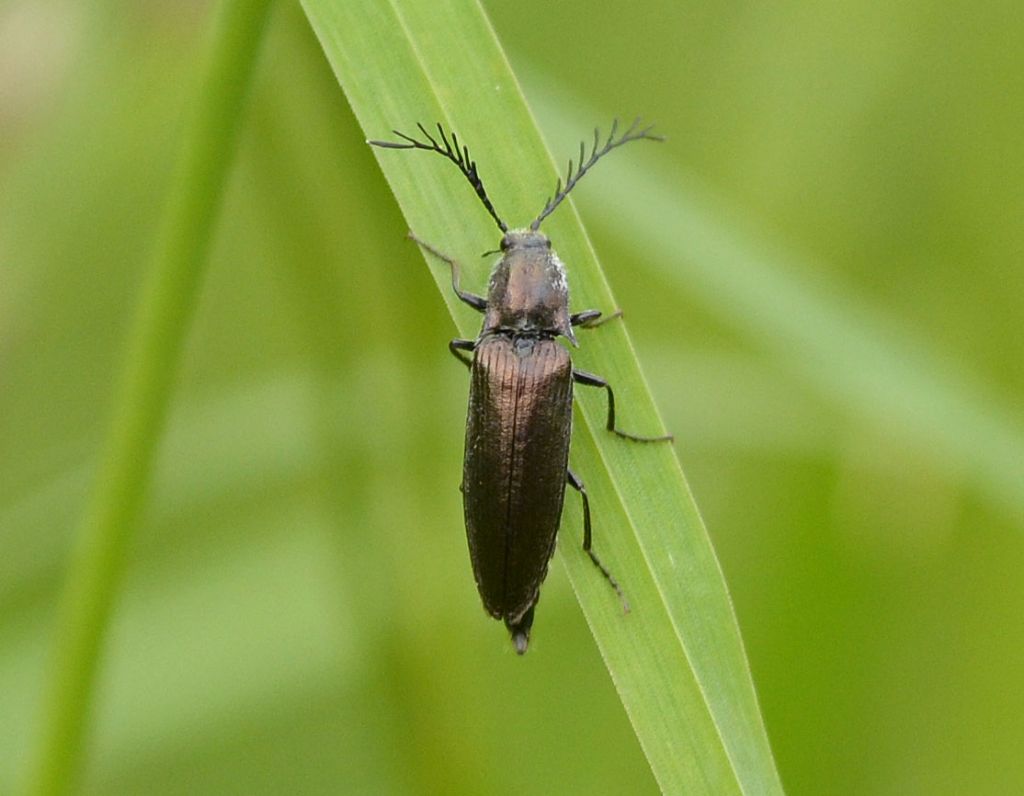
(677, 660)
(157, 336)
(854, 354)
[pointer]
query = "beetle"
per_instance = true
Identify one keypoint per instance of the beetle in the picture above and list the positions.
(519, 420)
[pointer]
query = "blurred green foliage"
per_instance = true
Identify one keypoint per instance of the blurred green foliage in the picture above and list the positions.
(300, 616)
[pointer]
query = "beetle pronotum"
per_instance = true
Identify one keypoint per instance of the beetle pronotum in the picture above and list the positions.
(519, 420)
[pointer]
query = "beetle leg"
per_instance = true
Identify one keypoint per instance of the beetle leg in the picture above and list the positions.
(582, 377)
(457, 345)
(591, 319)
(577, 484)
(479, 303)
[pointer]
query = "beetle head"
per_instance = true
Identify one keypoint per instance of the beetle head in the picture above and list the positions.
(524, 239)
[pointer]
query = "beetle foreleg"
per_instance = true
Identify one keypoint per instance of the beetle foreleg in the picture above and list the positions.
(577, 484)
(591, 319)
(458, 345)
(589, 379)
(479, 303)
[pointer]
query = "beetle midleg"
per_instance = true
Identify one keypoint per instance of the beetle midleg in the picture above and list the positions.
(479, 303)
(591, 319)
(458, 345)
(577, 484)
(589, 379)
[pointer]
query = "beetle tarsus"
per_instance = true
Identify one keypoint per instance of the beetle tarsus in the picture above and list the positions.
(611, 580)
(592, 380)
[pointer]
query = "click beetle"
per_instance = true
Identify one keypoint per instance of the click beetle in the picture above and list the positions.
(520, 398)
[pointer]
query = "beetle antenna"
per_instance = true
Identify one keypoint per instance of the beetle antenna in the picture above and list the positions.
(452, 151)
(634, 133)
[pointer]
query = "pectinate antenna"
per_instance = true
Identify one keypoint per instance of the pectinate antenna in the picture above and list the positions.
(634, 133)
(452, 151)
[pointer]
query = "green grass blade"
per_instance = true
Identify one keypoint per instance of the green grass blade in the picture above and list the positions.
(158, 334)
(677, 660)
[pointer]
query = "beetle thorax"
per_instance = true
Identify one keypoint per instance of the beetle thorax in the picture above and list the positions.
(528, 290)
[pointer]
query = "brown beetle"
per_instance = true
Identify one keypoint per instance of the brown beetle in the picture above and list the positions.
(520, 399)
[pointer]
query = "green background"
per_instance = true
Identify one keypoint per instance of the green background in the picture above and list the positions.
(300, 615)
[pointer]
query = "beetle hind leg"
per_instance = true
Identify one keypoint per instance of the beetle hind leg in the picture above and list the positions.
(577, 484)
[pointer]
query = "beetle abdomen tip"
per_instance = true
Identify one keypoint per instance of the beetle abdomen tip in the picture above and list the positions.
(521, 630)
